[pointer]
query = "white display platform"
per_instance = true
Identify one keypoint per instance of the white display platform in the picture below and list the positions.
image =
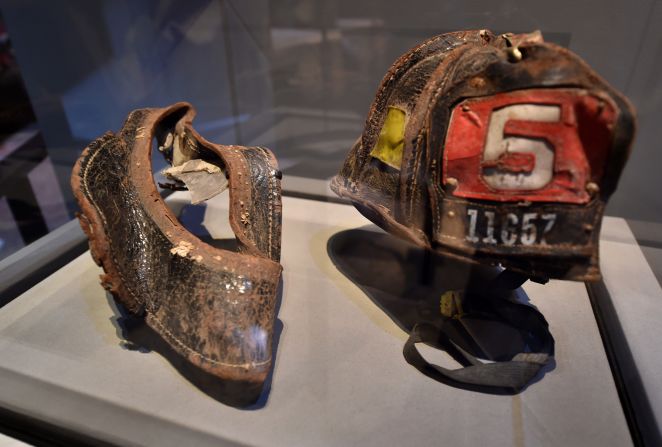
(339, 378)
(636, 297)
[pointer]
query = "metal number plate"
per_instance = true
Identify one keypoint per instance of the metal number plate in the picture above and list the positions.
(510, 229)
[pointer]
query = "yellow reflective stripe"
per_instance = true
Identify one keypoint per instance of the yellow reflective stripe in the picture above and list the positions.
(391, 142)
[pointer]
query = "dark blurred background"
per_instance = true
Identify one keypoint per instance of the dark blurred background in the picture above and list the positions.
(297, 76)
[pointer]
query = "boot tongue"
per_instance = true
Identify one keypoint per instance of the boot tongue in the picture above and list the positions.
(204, 180)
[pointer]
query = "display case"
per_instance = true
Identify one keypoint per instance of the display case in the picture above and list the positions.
(286, 267)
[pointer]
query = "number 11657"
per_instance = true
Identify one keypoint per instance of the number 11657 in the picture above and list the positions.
(525, 229)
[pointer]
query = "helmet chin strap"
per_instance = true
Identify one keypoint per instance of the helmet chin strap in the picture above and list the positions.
(504, 377)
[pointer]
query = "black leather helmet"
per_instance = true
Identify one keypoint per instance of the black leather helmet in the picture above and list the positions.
(498, 149)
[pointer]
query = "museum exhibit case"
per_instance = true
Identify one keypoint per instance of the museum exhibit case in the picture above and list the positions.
(330, 223)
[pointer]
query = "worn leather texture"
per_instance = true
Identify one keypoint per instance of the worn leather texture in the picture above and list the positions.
(417, 202)
(214, 307)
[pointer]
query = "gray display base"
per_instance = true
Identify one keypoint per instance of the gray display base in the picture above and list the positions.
(339, 375)
(636, 297)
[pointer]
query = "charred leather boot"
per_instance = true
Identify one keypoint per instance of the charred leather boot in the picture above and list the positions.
(214, 307)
